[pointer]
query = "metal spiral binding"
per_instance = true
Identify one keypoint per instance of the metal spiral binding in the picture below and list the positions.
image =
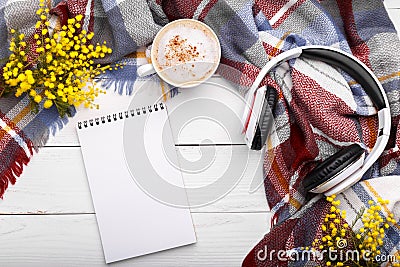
(120, 115)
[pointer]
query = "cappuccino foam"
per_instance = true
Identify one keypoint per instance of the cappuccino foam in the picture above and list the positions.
(185, 52)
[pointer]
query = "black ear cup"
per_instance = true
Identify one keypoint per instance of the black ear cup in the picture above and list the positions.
(332, 166)
(265, 121)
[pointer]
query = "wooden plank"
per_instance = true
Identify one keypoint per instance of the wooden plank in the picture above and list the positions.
(73, 240)
(392, 4)
(394, 15)
(55, 182)
(210, 111)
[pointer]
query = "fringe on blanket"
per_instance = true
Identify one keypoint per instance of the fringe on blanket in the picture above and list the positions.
(123, 79)
(18, 155)
(20, 158)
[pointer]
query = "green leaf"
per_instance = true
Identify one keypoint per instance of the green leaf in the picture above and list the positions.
(358, 217)
(3, 61)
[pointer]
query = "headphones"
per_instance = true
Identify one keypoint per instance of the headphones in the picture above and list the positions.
(347, 166)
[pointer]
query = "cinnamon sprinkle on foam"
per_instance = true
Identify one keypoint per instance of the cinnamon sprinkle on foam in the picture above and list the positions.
(179, 51)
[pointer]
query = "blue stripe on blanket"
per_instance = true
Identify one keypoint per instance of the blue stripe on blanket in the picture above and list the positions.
(373, 23)
(238, 34)
(4, 52)
(392, 87)
(122, 80)
(45, 123)
(322, 32)
(262, 22)
(109, 4)
(125, 41)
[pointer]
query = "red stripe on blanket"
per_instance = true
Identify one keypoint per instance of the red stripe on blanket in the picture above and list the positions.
(279, 177)
(177, 9)
(4, 139)
(271, 50)
(384, 160)
(4, 134)
(288, 13)
(395, 131)
(70, 9)
(207, 9)
(18, 158)
(269, 8)
(76, 7)
(12, 152)
(369, 127)
(263, 254)
(300, 152)
(393, 152)
(91, 21)
(313, 105)
(357, 45)
(17, 130)
(250, 70)
(61, 10)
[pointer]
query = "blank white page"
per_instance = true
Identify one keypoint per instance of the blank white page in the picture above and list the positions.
(120, 157)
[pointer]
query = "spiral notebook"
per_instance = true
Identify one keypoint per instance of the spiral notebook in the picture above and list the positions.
(137, 189)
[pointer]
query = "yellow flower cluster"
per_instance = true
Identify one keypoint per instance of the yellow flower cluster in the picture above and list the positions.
(63, 71)
(367, 240)
(370, 236)
(333, 230)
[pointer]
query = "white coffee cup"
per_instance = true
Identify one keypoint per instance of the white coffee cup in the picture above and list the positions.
(184, 53)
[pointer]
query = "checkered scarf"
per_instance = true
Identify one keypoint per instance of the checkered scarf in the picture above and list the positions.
(310, 124)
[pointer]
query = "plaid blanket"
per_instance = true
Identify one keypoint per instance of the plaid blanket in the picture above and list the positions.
(310, 124)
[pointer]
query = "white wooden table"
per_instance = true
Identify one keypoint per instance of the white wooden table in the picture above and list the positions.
(47, 218)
